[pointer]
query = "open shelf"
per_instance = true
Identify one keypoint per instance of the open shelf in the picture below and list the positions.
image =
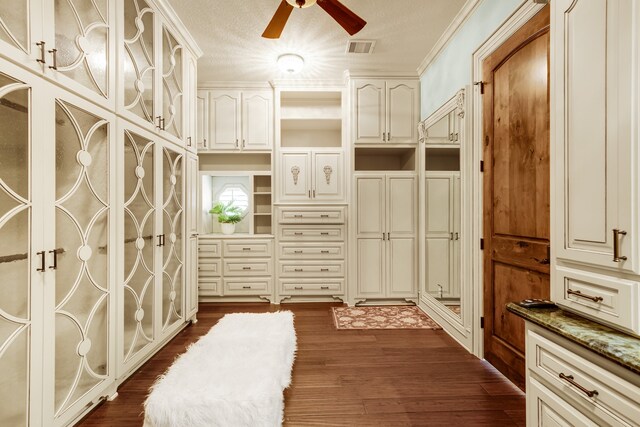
(385, 159)
(235, 162)
(310, 119)
(262, 224)
(262, 204)
(442, 158)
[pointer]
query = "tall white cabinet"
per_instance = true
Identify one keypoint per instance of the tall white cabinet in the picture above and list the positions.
(92, 199)
(386, 235)
(595, 140)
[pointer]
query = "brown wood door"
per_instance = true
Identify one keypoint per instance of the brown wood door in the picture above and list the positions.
(516, 188)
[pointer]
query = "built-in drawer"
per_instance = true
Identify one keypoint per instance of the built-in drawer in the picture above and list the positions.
(295, 268)
(602, 393)
(247, 248)
(209, 286)
(209, 248)
(311, 287)
(312, 250)
(247, 267)
(598, 296)
(311, 215)
(257, 286)
(209, 267)
(546, 408)
(307, 233)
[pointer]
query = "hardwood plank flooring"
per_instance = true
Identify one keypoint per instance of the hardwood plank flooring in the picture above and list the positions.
(353, 378)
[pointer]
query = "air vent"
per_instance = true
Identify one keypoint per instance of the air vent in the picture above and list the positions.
(360, 46)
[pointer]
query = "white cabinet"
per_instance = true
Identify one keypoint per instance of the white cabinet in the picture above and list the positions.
(311, 176)
(595, 131)
(191, 103)
(445, 131)
(386, 232)
(191, 219)
(442, 234)
(385, 110)
(238, 120)
(202, 121)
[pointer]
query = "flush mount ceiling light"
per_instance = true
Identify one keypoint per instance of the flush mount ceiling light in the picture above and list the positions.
(290, 63)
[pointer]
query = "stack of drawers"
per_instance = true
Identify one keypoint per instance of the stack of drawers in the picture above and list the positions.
(235, 267)
(311, 251)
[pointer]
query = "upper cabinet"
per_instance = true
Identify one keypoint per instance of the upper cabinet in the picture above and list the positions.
(445, 131)
(72, 43)
(235, 120)
(595, 131)
(385, 111)
(311, 176)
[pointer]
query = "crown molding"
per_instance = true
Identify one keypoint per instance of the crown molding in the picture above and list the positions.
(176, 24)
(363, 74)
(467, 9)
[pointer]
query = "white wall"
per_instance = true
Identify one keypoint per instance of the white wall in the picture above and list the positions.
(451, 70)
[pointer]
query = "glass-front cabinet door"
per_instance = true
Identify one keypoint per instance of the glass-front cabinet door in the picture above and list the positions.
(21, 32)
(172, 85)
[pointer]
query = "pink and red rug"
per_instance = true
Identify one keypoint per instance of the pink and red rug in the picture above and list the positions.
(382, 317)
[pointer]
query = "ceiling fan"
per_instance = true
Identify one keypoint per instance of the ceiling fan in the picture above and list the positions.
(343, 16)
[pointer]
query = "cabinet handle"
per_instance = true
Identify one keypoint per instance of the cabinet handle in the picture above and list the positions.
(55, 259)
(389, 136)
(457, 236)
(188, 141)
(309, 193)
(324, 287)
(246, 268)
(243, 143)
(324, 233)
(159, 119)
(570, 380)
(450, 236)
(314, 194)
(384, 236)
(388, 236)
(456, 137)
(450, 137)
(324, 216)
(324, 269)
(297, 288)
(297, 216)
(297, 234)
(581, 295)
(160, 240)
(298, 269)
(54, 53)
(324, 252)
(246, 249)
(42, 59)
(42, 261)
(246, 287)
(297, 252)
(384, 137)
(616, 245)
(236, 143)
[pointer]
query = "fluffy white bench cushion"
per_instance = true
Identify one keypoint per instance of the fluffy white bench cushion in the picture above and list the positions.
(234, 376)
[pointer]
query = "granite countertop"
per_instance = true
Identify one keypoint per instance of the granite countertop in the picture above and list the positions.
(616, 346)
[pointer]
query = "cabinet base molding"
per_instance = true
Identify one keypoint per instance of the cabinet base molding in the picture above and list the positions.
(289, 299)
(374, 301)
(262, 299)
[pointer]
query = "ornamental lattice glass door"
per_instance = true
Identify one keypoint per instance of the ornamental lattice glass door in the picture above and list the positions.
(172, 84)
(82, 255)
(139, 245)
(20, 30)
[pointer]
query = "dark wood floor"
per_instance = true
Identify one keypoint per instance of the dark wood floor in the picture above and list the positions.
(354, 378)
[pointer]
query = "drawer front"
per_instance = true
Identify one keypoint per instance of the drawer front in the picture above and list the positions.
(318, 234)
(209, 287)
(617, 402)
(248, 267)
(311, 250)
(312, 287)
(257, 286)
(247, 248)
(311, 268)
(209, 248)
(598, 296)
(546, 408)
(209, 267)
(321, 215)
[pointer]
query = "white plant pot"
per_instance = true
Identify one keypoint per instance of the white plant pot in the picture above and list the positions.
(227, 228)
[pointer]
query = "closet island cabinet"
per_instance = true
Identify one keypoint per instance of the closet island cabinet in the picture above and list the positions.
(385, 111)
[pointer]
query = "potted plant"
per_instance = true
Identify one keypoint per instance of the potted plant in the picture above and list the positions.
(228, 216)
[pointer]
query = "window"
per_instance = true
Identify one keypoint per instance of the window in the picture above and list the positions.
(237, 194)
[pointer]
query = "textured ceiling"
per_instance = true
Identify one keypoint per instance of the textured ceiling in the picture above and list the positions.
(229, 33)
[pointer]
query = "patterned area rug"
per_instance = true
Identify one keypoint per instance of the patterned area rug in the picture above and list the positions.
(382, 317)
(454, 308)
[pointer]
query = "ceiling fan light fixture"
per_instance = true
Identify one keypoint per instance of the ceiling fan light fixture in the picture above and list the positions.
(290, 63)
(301, 3)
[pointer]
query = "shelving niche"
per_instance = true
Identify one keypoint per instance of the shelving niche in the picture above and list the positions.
(310, 119)
(385, 159)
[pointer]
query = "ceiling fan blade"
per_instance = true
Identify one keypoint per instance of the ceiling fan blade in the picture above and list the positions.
(275, 27)
(343, 16)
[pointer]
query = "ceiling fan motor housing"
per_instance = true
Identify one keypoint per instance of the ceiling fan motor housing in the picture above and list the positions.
(301, 3)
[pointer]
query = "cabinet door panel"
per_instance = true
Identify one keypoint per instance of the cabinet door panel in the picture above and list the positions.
(257, 120)
(138, 62)
(371, 268)
(402, 267)
(370, 207)
(401, 206)
(202, 119)
(439, 199)
(295, 176)
(402, 112)
(594, 139)
(439, 132)
(190, 102)
(192, 187)
(369, 100)
(173, 83)
(191, 289)
(438, 267)
(328, 180)
(224, 125)
(20, 30)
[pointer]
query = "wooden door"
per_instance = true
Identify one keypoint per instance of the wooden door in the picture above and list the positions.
(327, 176)
(370, 237)
(257, 120)
(224, 124)
(402, 111)
(516, 188)
(369, 111)
(402, 223)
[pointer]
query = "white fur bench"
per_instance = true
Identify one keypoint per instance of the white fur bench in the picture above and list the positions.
(233, 376)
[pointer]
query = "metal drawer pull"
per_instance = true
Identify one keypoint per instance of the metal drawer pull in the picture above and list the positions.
(324, 269)
(42, 59)
(298, 234)
(297, 252)
(324, 287)
(324, 252)
(54, 52)
(616, 245)
(297, 288)
(297, 216)
(246, 268)
(246, 249)
(581, 295)
(570, 380)
(324, 233)
(246, 287)
(43, 267)
(324, 216)
(298, 269)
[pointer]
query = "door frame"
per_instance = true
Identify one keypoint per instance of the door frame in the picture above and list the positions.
(520, 17)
